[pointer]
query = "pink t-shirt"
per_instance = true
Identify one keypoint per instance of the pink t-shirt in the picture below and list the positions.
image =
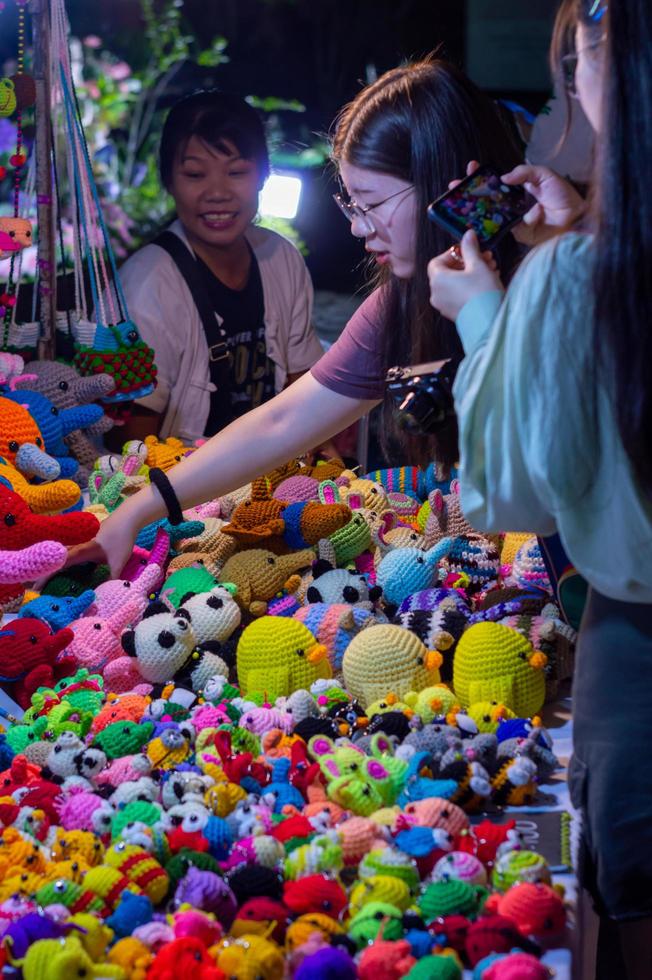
(354, 365)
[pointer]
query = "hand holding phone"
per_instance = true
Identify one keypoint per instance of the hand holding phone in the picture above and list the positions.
(481, 203)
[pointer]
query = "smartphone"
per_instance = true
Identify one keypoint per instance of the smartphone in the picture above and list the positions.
(482, 203)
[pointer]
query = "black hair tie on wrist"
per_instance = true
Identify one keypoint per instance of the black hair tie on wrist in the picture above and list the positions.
(166, 490)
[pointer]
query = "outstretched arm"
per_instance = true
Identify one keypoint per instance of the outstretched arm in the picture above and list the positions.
(300, 417)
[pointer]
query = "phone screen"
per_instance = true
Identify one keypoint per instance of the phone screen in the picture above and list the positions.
(481, 203)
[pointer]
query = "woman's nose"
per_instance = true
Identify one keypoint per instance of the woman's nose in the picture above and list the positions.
(360, 227)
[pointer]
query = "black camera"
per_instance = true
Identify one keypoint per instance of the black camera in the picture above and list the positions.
(423, 395)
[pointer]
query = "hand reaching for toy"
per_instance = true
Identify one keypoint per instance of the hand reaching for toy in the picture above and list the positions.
(113, 544)
(460, 274)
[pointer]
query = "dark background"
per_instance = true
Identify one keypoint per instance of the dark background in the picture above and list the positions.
(321, 52)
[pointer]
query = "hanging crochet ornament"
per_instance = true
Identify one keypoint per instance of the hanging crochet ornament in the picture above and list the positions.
(112, 344)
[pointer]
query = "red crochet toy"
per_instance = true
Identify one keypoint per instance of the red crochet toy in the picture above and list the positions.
(185, 957)
(20, 528)
(28, 657)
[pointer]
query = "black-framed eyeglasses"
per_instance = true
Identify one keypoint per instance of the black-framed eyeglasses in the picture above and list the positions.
(569, 64)
(352, 210)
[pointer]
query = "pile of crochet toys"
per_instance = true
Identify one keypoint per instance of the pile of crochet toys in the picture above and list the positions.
(272, 748)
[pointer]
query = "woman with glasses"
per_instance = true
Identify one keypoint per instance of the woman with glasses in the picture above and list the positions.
(554, 399)
(397, 146)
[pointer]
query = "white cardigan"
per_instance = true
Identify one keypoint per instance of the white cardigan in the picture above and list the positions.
(161, 306)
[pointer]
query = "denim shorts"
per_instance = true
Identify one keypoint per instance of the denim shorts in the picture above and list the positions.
(610, 773)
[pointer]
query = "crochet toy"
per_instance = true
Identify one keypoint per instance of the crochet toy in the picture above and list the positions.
(276, 656)
(351, 540)
(282, 527)
(258, 575)
(41, 498)
(110, 596)
(412, 480)
(446, 518)
(338, 585)
(28, 655)
(96, 641)
(57, 613)
(61, 384)
(20, 529)
(54, 424)
(387, 658)
(495, 663)
(537, 910)
(21, 442)
(160, 645)
(335, 625)
(475, 560)
(141, 558)
(406, 570)
(165, 454)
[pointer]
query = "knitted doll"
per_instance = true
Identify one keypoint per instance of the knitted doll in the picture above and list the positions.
(495, 663)
(56, 423)
(66, 389)
(277, 656)
(258, 575)
(22, 444)
(42, 498)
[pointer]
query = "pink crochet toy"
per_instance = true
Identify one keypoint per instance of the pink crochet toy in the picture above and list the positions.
(82, 810)
(111, 596)
(141, 558)
(97, 640)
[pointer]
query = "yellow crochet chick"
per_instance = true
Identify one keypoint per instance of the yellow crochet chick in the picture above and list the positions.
(488, 715)
(389, 703)
(62, 959)
(81, 844)
(432, 702)
(133, 956)
(495, 663)
(384, 658)
(249, 957)
(18, 853)
(43, 498)
(277, 656)
(74, 870)
(168, 752)
(511, 543)
(259, 574)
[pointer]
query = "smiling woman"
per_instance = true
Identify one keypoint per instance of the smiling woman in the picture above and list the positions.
(225, 304)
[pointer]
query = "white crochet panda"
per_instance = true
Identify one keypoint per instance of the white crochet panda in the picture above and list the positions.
(162, 643)
(333, 585)
(71, 760)
(214, 616)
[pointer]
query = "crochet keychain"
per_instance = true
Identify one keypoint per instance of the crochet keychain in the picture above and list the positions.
(112, 344)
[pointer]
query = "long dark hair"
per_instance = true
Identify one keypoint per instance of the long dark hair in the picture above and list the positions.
(214, 117)
(623, 271)
(423, 122)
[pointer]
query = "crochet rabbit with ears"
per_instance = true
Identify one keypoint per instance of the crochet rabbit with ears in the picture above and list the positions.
(446, 517)
(352, 539)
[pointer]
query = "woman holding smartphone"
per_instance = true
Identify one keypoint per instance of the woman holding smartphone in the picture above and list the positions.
(397, 145)
(554, 399)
